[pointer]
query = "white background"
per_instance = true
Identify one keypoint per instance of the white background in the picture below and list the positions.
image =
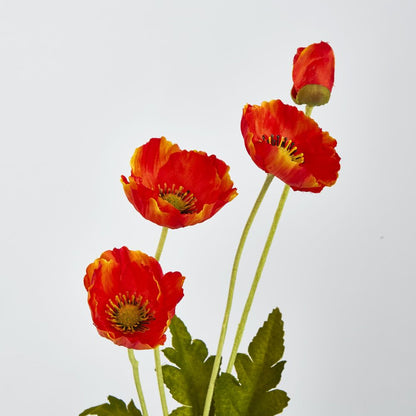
(83, 83)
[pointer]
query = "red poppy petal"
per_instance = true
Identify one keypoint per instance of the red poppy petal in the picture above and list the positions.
(187, 188)
(149, 158)
(197, 173)
(309, 164)
(313, 65)
(119, 278)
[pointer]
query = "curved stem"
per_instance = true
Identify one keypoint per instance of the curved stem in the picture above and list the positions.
(226, 318)
(156, 351)
(257, 276)
(135, 365)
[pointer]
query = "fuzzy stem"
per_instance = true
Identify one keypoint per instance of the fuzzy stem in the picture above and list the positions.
(256, 279)
(135, 365)
(216, 366)
(308, 110)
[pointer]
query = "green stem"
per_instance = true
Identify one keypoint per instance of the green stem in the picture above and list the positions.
(159, 374)
(226, 318)
(156, 351)
(162, 240)
(308, 110)
(256, 279)
(135, 365)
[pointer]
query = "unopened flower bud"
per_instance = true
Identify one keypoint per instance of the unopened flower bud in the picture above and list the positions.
(313, 74)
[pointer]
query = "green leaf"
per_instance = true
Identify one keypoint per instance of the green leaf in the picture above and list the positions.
(268, 344)
(115, 407)
(227, 396)
(188, 382)
(182, 411)
(258, 373)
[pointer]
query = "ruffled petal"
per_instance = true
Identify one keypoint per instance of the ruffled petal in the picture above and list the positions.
(121, 278)
(284, 142)
(148, 159)
(189, 187)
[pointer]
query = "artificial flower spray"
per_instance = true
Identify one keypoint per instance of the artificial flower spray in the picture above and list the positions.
(132, 301)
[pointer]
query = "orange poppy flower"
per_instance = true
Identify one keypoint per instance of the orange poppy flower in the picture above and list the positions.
(132, 302)
(313, 74)
(283, 141)
(175, 188)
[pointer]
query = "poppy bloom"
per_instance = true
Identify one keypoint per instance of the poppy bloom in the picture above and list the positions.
(132, 302)
(313, 74)
(175, 188)
(286, 143)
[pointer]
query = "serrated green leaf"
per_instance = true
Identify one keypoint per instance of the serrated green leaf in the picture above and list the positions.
(177, 382)
(227, 396)
(182, 411)
(188, 382)
(115, 407)
(134, 411)
(271, 402)
(268, 344)
(258, 373)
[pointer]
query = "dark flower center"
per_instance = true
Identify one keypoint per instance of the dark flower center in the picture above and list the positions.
(183, 201)
(285, 144)
(128, 313)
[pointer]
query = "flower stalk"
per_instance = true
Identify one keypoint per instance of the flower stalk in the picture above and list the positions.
(256, 279)
(160, 384)
(161, 244)
(226, 318)
(156, 351)
(135, 366)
